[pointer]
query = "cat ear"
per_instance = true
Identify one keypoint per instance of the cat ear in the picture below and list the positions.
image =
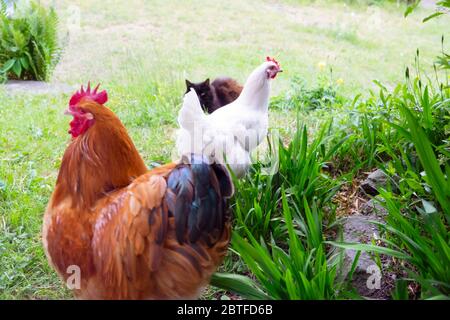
(188, 83)
(207, 82)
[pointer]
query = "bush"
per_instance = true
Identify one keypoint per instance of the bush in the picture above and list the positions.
(28, 42)
(324, 95)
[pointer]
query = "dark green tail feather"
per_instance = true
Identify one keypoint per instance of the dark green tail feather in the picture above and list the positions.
(200, 207)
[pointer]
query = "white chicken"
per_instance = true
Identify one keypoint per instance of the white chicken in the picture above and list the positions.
(232, 132)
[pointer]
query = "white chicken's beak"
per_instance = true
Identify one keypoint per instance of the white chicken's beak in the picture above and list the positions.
(271, 74)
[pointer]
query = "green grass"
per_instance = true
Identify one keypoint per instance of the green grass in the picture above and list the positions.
(138, 43)
(141, 52)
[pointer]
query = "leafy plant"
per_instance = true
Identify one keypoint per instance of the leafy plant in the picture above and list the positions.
(416, 230)
(300, 96)
(28, 41)
(419, 239)
(301, 165)
(300, 271)
(300, 172)
(441, 5)
(280, 222)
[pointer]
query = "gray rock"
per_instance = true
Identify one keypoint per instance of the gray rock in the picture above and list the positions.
(358, 229)
(373, 207)
(375, 180)
(36, 87)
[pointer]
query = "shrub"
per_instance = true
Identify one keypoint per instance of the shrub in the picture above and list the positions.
(28, 41)
(299, 96)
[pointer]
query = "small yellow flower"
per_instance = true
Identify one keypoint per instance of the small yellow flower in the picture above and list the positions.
(340, 81)
(321, 65)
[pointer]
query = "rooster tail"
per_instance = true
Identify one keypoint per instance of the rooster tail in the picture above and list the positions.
(197, 194)
(191, 115)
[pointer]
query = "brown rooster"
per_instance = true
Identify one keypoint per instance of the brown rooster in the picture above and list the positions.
(132, 233)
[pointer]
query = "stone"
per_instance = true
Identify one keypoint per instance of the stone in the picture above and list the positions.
(374, 180)
(36, 87)
(373, 207)
(368, 280)
(358, 229)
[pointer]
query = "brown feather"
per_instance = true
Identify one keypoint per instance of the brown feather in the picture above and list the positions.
(110, 216)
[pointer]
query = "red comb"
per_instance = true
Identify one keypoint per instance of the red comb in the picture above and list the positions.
(273, 60)
(100, 97)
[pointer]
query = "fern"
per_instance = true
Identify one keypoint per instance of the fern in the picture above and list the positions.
(2, 9)
(29, 46)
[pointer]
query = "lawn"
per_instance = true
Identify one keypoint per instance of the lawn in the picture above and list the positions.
(141, 52)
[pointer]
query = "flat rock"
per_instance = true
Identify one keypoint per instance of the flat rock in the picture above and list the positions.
(374, 180)
(373, 207)
(358, 229)
(36, 87)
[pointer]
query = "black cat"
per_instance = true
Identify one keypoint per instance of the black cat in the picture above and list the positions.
(219, 93)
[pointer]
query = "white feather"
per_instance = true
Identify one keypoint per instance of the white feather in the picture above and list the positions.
(230, 133)
(191, 113)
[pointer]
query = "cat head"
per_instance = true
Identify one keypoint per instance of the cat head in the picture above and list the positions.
(204, 92)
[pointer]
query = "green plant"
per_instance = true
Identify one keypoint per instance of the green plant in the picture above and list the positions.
(438, 180)
(29, 46)
(441, 5)
(363, 126)
(299, 96)
(302, 164)
(300, 170)
(420, 239)
(256, 205)
(280, 211)
(416, 230)
(298, 270)
(279, 226)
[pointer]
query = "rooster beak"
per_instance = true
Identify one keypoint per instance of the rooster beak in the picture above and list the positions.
(280, 70)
